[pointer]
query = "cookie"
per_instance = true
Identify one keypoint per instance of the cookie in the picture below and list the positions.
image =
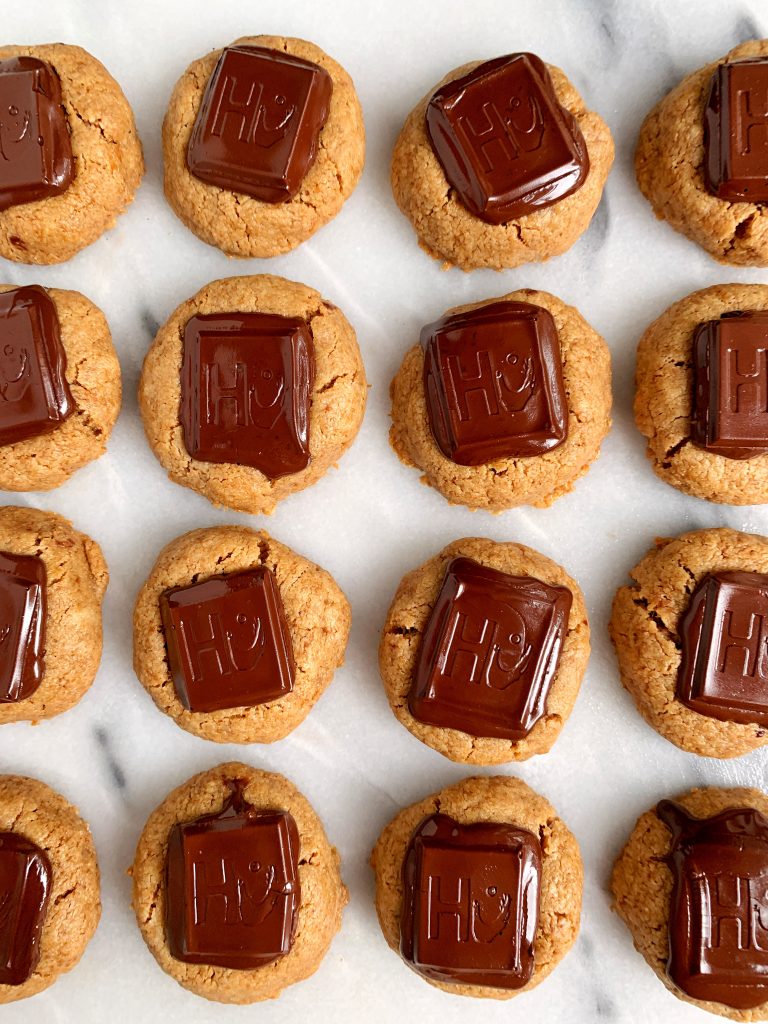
(504, 402)
(694, 162)
(489, 181)
(251, 390)
(235, 636)
(269, 922)
(71, 158)
(49, 887)
(690, 886)
(483, 651)
(263, 141)
(497, 939)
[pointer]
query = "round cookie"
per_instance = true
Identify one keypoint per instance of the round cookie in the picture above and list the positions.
(403, 636)
(238, 223)
(317, 621)
(497, 799)
(106, 156)
(76, 577)
(642, 885)
(338, 394)
(449, 231)
(664, 400)
(669, 165)
(323, 894)
(509, 481)
(33, 813)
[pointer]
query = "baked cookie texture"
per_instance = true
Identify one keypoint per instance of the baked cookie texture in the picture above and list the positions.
(505, 483)
(107, 155)
(641, 885)
(239, 224)
(77, 577)
(448, 231)
(401, 641)
(664, 400)
(669, 167)
(323, 893)
(31, 809)
(644, 631)
(317, 614)
(494, 799)
(338, 401)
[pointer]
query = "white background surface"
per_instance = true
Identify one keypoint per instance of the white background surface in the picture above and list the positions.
(371, 520)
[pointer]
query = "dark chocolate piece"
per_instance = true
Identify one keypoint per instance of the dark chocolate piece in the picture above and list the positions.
(22, 625)
(228, 641)
(232, 886)
(246, 390)
(35, 148)
(736, 132)
(718, 915)
(504, 141)
(489, 652)
(724, 634)
(259, 122)
(25, 889)
(493, 382)
(471, 902)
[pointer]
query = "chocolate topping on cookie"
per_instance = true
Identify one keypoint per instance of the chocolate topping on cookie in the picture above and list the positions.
(736, 132)
(25, 888)
(471, 902)
(489, 652)
(259, 123)
(505, 143)
(22, 625)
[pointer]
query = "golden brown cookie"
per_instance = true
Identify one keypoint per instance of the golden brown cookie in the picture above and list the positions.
(317, 621)
(107, 157)
(323, 895)
(240, 224)
(498, 799)
(507, 482)
(32, 815)
(402, 639)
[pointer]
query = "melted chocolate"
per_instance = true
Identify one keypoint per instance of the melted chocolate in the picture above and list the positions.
(259, 123)
(736, 132)
(23, 603)
(246, 390)
(471, 902)
(25, 888)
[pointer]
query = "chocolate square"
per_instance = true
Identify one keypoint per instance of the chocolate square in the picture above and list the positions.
(259, 122)
(22, 625)
(736, 132)
(25, 886)
(504, 141)
(228, 641)
(35, 148)
(246, 390)
(489, 652)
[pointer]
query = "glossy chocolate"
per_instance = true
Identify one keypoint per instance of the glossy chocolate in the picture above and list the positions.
(471, 902)
(493, 383)
(23, 603)
(718, 914)
(35, 148)
(25, 887)
(246, 390)
(232, 886)
(228, 641)
(736, 132)
(504, 141)
(489, 652)
(259, 123)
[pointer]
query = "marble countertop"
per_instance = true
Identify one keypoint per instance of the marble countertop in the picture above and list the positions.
(116, 756)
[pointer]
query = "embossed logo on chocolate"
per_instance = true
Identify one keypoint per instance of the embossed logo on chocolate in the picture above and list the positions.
(489, 652)
(232, 886)
(504, 141)
(471, 902)
(493, 383)
(23, 604)
(25, 887)
(736, 132)
(718, 921)
(246, 390)
(259, 122)
(228, 641)
(35, 148)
